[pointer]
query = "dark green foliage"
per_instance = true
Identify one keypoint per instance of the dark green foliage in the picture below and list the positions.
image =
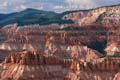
(32, 16)
(100, 18)
(99, 46)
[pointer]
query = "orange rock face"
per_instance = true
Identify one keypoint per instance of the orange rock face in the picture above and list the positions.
(58, 55)
(28, 65)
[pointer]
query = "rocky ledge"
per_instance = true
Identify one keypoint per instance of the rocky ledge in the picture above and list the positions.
(29, 65)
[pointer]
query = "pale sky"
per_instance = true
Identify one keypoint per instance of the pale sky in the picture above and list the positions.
(8, 6)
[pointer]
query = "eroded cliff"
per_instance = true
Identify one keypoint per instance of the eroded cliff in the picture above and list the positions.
(104, 15)
(29, 65)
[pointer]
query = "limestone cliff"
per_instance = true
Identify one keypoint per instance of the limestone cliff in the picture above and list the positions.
(103, 15)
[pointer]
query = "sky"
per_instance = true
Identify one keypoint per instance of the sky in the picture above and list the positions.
(8, 6)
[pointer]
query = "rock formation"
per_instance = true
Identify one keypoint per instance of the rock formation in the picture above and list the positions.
(29, 65)
(103, 15)
(113, 49)
(85, 50)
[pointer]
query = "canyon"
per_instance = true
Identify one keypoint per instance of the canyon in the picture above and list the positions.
(32, 53)
(87, 49)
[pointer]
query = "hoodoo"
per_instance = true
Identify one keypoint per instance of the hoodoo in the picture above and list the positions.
(85, 45)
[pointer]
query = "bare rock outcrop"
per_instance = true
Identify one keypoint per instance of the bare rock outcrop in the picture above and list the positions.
(113, 49)
(29, 65)
(32, 66)
(103, 15)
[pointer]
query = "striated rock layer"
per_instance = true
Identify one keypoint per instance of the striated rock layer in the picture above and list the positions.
(104, 15)
(64, 52)
(28, 65)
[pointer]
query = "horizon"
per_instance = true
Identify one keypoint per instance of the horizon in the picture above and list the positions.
(10, 6)
(63, 11)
